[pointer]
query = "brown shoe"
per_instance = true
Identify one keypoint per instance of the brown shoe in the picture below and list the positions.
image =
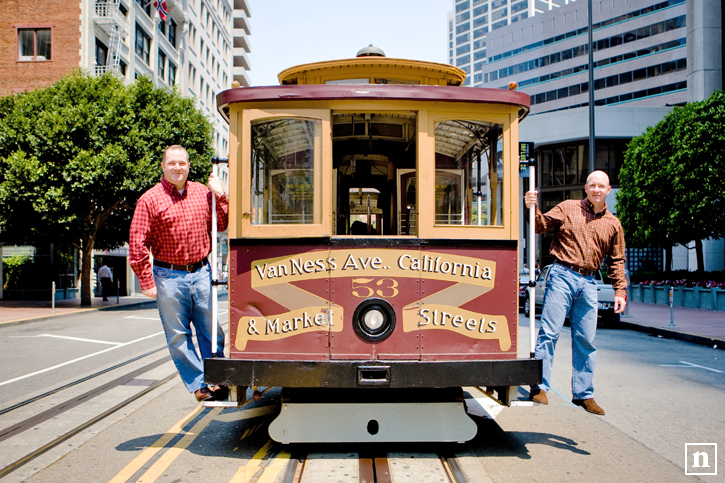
(589, 405)
(539, 396)
(203, 394)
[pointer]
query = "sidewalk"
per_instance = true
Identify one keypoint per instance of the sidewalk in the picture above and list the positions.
(704, 327)
(20, 311)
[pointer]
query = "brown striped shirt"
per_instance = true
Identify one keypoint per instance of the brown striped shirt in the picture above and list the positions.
(583, 238)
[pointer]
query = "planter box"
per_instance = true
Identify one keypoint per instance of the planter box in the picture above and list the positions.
(662, 294)
(66, 293)
(648, 294)
(719, 295)
(707, 301)
(691, 298)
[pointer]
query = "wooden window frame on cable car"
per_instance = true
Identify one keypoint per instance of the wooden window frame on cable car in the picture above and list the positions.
(241, 225)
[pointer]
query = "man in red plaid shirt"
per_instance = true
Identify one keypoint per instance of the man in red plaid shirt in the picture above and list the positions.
(585, 232)
(172, 222)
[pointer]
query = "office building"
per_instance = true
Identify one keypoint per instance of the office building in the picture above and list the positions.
(471, 21)
(649, 55)
(639, 47)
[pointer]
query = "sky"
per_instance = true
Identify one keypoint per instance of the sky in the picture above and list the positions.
(285, 33)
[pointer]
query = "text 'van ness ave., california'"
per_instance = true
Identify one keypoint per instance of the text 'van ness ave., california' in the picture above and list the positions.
(373, 262)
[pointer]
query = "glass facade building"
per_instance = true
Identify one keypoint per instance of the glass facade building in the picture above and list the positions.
(470, 22)
(639, 49)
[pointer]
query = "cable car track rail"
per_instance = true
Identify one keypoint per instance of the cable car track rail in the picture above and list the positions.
(77, 381)
(69, 434)
(371, 469)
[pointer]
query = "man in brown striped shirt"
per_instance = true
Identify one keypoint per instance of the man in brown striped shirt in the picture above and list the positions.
(585, 232)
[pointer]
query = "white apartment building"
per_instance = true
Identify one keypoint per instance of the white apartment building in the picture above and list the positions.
(201, 47)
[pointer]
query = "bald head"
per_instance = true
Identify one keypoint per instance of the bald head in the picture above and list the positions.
(597, 189)
(599, 175)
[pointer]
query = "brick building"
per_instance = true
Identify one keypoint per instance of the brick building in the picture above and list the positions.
(39, 42)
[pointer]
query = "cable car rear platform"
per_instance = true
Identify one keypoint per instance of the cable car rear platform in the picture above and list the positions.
(375, 401)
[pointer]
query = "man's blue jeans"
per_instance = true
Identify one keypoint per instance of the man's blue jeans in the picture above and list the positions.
(567, 292)
(184, 299)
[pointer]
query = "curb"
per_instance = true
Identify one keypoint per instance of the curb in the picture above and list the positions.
(41, 318)
(146, 304)
(671, 334)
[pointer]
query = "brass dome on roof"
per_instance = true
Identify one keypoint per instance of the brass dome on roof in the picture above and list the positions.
(370, 51)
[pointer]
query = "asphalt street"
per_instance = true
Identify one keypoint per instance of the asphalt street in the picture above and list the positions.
(659, 394)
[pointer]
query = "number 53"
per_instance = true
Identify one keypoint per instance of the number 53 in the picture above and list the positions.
(361, 289)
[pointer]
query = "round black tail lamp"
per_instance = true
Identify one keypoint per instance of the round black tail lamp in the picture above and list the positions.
(374, 320)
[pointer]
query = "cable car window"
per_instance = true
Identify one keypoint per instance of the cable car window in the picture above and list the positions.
(283, 164)
(469, 173)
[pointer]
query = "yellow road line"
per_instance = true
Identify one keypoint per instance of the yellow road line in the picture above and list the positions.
(274, 468)
(244, 473)
(162, 464)
(149, 452)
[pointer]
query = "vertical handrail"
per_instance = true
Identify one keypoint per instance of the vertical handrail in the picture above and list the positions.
(214, 268)
(532, 264)
(214, 277)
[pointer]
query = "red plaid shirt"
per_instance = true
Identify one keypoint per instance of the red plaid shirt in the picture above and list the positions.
(583, 238)
(175, 228)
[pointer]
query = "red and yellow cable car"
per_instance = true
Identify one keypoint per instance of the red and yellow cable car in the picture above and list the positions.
(373, 256)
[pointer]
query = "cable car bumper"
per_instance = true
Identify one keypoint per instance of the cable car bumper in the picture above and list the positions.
(359, 374)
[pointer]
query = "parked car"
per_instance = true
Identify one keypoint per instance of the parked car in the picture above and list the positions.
(605, 297)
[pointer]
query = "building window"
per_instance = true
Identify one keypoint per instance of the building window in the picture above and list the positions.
(101, 53)
(123, 9)
(162, 64)
(464, 27)
(34, 44)
(162, 26)
(172, 74)
(143, 44)
(123, 67)
(172, 32)
(463, 49)
(145, 5)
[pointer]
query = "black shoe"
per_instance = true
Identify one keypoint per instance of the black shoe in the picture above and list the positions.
(220, 392)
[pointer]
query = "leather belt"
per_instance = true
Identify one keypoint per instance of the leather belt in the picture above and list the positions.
(574, 268)
(192, 267)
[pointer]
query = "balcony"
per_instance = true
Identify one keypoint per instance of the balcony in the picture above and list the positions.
(107, 16)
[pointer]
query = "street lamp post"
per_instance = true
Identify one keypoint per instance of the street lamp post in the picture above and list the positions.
(592, 150)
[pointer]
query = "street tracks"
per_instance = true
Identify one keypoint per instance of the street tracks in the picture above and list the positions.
(57, 410)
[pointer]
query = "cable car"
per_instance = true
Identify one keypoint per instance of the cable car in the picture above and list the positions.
(373, 248)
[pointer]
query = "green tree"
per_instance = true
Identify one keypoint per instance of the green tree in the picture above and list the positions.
(673, 179)
(76, 156)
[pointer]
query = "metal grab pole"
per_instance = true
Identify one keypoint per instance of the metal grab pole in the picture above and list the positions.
(532, 264)
(214, 276)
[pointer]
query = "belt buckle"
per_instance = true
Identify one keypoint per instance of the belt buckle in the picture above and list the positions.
(189, 268)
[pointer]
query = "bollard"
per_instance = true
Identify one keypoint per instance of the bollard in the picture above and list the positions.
(118, 290)
(52, 297)
(672, 308)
